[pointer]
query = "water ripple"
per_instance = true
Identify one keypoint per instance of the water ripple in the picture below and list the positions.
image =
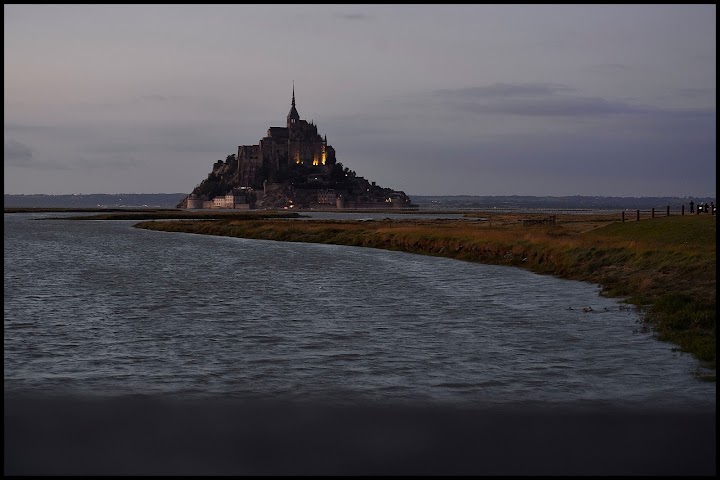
(100, 307)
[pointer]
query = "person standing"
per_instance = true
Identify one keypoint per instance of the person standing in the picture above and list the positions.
(692, 206)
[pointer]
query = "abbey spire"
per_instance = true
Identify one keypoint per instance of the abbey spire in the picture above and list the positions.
(293, 117)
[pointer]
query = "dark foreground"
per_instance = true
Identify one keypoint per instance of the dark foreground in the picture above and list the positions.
(141, 436)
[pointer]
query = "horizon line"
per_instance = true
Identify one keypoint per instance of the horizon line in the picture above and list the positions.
(410, 195)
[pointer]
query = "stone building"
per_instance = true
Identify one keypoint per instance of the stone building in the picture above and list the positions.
(325, 197)
(235, 199)
(291, 166)
(296, 143)
(195, 201)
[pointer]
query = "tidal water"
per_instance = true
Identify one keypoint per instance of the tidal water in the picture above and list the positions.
(101, 308)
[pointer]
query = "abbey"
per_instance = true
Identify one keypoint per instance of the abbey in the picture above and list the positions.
(291, 167)
(296, 143)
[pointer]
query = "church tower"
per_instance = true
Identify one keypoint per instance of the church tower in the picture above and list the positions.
(293, 118)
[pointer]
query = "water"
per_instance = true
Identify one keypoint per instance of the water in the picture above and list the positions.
(101, 308)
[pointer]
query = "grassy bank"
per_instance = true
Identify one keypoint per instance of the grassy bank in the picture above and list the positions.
(665, 266)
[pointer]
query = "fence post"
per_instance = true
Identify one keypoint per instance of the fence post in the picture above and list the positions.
(638, 215)
(668, 211)
(652, 213)
(682, 209)
(623, 216)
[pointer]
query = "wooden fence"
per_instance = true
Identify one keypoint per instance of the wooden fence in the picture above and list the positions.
(664, 212)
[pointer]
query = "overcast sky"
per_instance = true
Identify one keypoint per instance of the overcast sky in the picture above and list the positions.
(613, 100)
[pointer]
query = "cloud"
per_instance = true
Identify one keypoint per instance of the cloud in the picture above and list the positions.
(563, 107)
(695, 92)
(154, 98)
(609, 67)
(17, 153)
(353, 16)
(21, 128)
(586, 162)
(121, 162)
(551, 100)
(506, 90)
(157, 98)
(536, 100)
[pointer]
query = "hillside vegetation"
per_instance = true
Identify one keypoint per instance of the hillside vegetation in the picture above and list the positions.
(665, 266)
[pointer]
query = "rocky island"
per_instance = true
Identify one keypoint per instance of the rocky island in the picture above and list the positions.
(291, 167)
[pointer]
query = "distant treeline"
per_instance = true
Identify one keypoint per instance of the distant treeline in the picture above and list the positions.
(570, 202)
(170, 200)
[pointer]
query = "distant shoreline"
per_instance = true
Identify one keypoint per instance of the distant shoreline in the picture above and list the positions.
(174, 212)
(424, 202)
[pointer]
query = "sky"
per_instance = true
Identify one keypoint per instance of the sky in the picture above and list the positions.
(544, 100)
